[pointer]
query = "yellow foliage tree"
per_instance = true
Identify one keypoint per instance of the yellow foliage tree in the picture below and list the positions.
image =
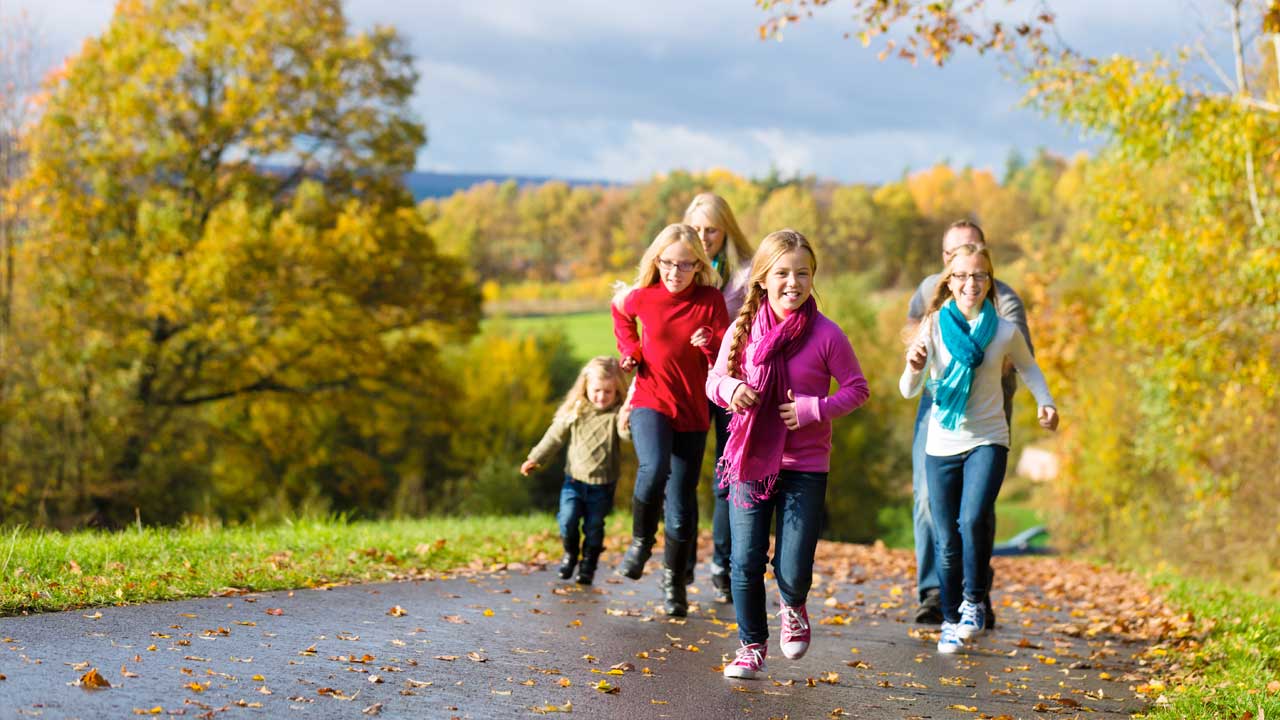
(220, 224)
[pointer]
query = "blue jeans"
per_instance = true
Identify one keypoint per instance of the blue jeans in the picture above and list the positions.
(669, 465)
(921, 517)
(798, 504)
(587, 503)
(962, 500)
(921, 520)
(721, 537)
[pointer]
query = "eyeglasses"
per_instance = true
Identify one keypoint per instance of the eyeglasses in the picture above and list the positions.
(978, 277)
(683, 267)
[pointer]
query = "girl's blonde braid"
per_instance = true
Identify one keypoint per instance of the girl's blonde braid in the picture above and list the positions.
(746, 318)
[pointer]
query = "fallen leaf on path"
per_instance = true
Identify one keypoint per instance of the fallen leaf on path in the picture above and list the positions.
(95, 616)
(153, 711)
(604, 687)
(477, 657)
(336, 694)
(92, 680)
(397, 611)
(373, 709)
(544, 709)
(448, 658)
(275, 611)
(125, 673)
(965, 708)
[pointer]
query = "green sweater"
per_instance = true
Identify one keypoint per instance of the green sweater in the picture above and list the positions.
(595, 448)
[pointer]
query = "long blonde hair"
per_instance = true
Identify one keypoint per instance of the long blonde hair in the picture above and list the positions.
(647, 272)
(775, 245)
(942, 293)
(737, 250)
(601, 367)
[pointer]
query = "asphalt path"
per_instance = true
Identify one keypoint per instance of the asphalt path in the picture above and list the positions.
(520, 642)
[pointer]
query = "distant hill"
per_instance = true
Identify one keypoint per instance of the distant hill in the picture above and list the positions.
(435, 185)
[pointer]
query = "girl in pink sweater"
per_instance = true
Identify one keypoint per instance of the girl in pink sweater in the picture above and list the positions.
(775, 374)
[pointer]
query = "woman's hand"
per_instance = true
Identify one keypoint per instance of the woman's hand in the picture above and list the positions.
(628, 363)
(527, 467)
(788, 412)
(917, 355)
(700, 337)
(743, 398)
(1049, 417)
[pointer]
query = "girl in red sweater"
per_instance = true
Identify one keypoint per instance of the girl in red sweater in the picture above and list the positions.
(679, 306)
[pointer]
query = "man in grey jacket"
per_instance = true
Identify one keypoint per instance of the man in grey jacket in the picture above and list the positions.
(1008, 306)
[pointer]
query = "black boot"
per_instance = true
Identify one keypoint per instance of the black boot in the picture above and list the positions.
(587, 569)
(674, 561)
(720, 582)
(644, 526)
(691, 563)
(569, 560)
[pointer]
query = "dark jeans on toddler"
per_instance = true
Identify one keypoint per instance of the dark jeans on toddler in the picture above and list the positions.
(585, 503)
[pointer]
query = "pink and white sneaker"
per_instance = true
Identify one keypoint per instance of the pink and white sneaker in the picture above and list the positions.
(749, 664)
(795, 631)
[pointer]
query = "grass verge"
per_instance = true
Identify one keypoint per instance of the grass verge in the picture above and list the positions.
(1231, 669)
(46, 571)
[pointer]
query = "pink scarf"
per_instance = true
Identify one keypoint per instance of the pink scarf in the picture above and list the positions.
(753, 456)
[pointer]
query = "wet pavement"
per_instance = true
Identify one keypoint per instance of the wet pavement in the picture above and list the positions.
(520, 642)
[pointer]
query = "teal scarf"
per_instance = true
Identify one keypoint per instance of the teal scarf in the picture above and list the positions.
(967, 348)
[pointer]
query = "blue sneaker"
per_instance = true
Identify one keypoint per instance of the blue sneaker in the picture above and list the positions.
(948, 640)
(973, 620)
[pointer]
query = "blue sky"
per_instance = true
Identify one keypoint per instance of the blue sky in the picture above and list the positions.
(617, 90)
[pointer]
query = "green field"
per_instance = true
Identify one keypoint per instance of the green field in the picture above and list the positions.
(589, 333)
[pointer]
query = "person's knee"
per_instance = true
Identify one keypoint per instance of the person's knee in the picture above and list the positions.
(973, 525)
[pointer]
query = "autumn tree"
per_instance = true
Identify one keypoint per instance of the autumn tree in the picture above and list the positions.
(1160, 307)
(222, 226)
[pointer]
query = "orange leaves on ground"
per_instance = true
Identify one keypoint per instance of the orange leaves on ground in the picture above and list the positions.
(397, 611)
(335, 694)
(549, 708)
(604, 686)
(92, 680)
(274, 611)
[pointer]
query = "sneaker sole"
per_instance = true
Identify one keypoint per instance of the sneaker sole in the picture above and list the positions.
(743, 674)
(794, 654)
(948, 649)
(969, 634)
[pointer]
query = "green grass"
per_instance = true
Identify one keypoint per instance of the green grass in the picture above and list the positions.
(589, 334)
(46, 571)
(1226, 673)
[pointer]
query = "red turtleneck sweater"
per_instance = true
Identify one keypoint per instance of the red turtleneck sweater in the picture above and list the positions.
(672, 374)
